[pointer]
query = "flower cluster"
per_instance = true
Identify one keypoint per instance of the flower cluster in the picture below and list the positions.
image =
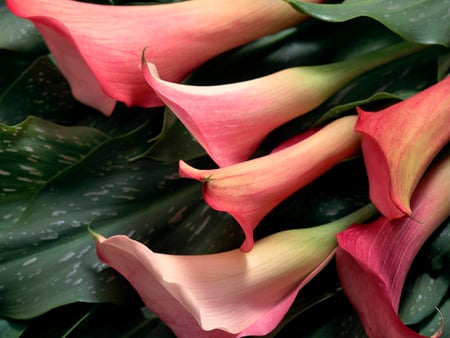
(139, 55)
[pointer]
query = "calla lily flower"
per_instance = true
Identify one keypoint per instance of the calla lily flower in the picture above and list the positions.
(98, 47)
(230, 121)
(228, 294)
(250, 190)
(373, 260)
(398, 144)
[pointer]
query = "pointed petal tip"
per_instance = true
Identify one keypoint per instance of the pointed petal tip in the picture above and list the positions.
(406, 210)
(363, 116)
(248, 243)
(183, 168)
(395, 209)
(150, 70)
(187, 171)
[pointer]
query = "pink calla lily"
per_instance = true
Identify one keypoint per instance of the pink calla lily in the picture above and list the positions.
(373, 260)
(230, 121)
(98, 48)
(399, 142)
(228, 294)
(250, 190)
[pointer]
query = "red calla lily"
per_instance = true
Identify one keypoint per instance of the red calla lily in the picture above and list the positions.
(373, 260)
(399, 142)
(98, 47)
(228, 294)
(250, 190)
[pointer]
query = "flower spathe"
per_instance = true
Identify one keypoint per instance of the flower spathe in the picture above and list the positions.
(228, 294)
(230, 121)
(250, 190)
(98, 47)
(373, 259)
(399, 142)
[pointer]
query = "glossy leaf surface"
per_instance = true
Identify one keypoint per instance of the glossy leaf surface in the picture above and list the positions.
(423, 21)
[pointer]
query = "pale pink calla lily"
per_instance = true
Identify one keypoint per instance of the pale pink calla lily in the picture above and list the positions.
(98, 47)
(228, 294)
(230, 121)
(250, 190)
(373, 260)
(399, 142)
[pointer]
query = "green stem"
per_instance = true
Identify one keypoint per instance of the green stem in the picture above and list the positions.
(344, 71)
(359, 216)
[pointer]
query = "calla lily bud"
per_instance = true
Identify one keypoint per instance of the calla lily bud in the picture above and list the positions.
(228, 294)
(230, 121)
(98, 47)
(399, 142)
(373, 259)
(250, 190)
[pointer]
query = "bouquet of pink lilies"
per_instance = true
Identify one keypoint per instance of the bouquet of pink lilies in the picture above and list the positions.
(202, 168)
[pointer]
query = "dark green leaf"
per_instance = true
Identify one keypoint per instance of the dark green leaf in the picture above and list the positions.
(12, 328)
(39, 91)
(150, 327)
(333, 317)
(18, 34)
(430, 325)
(16, 64)
(427, 286)
(85, 320)
(32, 153)
(439, 248)
(422, 297)
(315, 296)
(174, 143)
(422, 21)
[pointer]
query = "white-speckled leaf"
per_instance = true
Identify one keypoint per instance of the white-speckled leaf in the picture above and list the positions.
(42, 91)
(31, 153)
(18, 34)
(431, 324)
(47, 257)
(11, 328)
(422, 297)
(439, 249)
(422, 21)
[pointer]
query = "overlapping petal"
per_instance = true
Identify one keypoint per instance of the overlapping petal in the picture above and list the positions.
(250, 190)
(399, 142)
(229, 294)
(98, 47)
(230, 121)
(373, 260)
